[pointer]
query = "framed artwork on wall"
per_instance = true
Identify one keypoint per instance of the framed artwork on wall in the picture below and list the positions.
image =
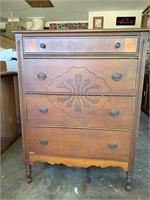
(98, 22)
(125, 21)
(66, 26)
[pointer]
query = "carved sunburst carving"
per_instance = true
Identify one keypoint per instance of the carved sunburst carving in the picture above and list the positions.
(78, 92)
(78, 86)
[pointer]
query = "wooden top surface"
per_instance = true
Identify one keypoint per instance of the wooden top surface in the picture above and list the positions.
(82, 31)
(8, 73)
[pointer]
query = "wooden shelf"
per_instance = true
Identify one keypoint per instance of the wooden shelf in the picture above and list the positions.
(10, 110)
(7, 43)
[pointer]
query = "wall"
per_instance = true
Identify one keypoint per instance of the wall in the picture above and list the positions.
(110, 18)
(2, 24)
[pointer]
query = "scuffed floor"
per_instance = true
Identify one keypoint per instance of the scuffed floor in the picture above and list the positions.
(61, 182)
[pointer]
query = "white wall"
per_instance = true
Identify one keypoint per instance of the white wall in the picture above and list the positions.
(2, 24)
(110, 18)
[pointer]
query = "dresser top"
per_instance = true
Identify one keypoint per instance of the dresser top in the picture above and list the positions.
(46, 31)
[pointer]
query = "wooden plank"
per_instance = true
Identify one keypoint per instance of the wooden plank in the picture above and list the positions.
(40, 3)
(7, 43)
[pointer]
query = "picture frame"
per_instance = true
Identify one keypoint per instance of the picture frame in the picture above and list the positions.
(67, 26)
(125, 21)
(98, 22)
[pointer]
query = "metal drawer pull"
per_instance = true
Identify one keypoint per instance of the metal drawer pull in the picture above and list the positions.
(112, 145)
(43, 46)
(44, 142)
(41, 76)
(116, 76)
(118, 45)
(43, 109)
(114, 112)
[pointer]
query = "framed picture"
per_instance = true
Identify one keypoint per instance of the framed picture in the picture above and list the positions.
(66, 26)
(53, 26)
(98, 22)
(125, 21)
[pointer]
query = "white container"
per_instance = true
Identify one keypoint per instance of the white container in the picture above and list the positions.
(37, 23)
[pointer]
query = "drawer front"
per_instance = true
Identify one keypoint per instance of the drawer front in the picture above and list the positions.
(110, 145)
(80, 111)
(96, 75)
(60, 45)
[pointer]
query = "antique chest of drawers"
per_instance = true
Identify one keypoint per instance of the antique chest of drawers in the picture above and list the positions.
(80, 94)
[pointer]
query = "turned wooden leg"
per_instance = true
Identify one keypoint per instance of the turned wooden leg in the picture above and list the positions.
(28, 173)
(129, 180)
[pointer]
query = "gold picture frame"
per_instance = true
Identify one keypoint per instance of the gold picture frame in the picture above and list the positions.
(98, 22)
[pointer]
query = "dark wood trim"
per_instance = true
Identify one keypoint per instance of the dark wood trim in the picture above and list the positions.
(137, 107)
(123, 30)
(145, 97)
(22, 99)
(146, 9)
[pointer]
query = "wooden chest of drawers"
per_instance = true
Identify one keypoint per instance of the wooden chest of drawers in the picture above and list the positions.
(80, 94)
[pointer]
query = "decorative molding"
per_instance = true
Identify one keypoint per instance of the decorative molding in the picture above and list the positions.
(79, 94)
(77, 162)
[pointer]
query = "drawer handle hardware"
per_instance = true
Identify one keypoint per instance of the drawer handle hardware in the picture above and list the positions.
(43, 46)
(44, 142)
(117, 45)
(43, 109)
(41, 76)
(112, 145)
(116, 76)
(114, 112)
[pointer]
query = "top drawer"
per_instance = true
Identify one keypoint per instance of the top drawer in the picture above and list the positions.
(78, 45)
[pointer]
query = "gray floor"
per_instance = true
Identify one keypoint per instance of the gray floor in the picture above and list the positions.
(61, 182)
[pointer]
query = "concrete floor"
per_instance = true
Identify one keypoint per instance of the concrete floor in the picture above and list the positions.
(61, 182)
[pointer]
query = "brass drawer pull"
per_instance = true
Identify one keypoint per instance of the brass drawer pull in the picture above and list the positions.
(112, 145)
(44, 142)
(41, 76)
(114, 112)
(116, 76)
(118, 45)
(43, 46)
(43, 109)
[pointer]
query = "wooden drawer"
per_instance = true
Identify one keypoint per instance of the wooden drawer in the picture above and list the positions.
(80, 111)
(97, 44)
(99, 72)
(110, 145)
